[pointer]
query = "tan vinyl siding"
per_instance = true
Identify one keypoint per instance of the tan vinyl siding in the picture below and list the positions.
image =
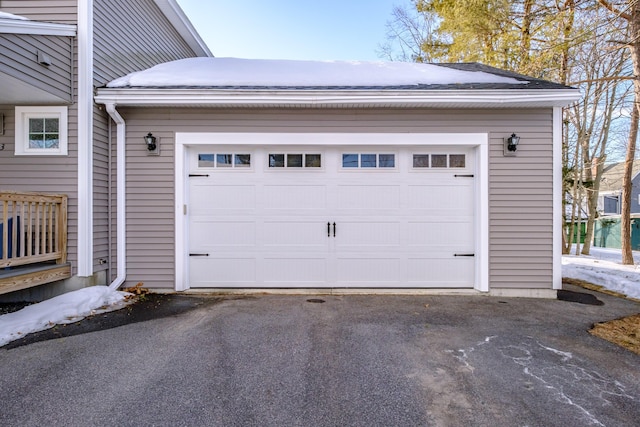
(520, 193)
(128, 36)
(58, 11)
(20, 53)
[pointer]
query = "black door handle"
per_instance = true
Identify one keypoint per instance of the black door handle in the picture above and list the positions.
(328, 229)
(334, 229)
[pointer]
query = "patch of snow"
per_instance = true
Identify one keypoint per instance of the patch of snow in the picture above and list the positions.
(5, 15)
(213, 72)
(604, 267)
(67, 308)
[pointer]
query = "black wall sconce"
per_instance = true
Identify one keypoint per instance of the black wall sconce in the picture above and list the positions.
(153, 145)
(511, 145)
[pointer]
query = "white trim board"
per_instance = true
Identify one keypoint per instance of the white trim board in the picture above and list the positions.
(478, 140)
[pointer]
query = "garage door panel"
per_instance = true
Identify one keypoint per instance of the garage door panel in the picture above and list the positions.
(443, 199)
(361, 271)
(444, 271)
(214, 272)
(298, 197)
(440, 233)
(369, 235)
(207, 199)
(297, 235)
(293, 270)
(368, 197)
(209, 233)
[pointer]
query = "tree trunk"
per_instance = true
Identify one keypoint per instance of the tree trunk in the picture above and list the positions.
(625, 214)
(625, 209)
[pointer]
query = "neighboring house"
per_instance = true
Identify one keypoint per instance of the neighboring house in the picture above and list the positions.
(55, 141)
(609, 197)
(334, 175)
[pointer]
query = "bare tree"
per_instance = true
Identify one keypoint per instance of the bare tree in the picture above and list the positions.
(592, 118)
(629, 11)
(407, 31)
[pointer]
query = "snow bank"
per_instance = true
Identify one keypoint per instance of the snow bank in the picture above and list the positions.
(603, 267)
(5, 15)
(67, 308)
(211, 72)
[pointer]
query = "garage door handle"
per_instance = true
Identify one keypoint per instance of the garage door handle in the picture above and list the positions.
(334, 229)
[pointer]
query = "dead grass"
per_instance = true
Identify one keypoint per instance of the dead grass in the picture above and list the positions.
(624, 332)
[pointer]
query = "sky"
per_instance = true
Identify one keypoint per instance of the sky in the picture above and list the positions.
(292, 29)
(603, 267)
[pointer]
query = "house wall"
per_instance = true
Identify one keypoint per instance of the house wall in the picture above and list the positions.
(635, 193)
(20, 54)
(520, 193)
(59, 11)
(122, 44)
(50, 174)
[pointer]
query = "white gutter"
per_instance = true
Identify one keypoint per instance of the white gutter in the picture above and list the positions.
(20, 26)
(121, 229)
(338, 98)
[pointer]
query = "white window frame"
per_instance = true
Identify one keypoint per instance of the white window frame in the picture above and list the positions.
(23, 114)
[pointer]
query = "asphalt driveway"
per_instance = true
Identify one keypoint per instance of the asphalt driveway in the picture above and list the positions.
(347, 361)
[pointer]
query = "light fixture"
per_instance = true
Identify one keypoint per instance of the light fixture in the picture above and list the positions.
(511, 145)
(152, 144)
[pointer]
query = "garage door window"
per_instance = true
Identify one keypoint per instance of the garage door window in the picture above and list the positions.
(423, 161)
(224, 160)
(368, 160)
(293, 160)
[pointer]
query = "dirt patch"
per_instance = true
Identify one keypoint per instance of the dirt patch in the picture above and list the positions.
(624, 332)
(593, 287)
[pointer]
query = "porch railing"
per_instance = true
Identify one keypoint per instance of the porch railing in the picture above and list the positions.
(33, 228)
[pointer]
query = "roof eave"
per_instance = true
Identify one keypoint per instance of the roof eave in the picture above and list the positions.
(19, 26)
(337, 98)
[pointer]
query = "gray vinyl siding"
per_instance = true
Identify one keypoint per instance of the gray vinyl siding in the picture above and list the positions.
(58, 11)
(128, 36)
(20, 54)
(520, 193)
(27, 173)
(132, 36)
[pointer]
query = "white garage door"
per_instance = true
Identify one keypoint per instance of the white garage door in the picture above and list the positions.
(290, 217)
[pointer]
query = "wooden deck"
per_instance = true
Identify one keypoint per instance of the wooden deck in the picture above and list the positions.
(33, 240)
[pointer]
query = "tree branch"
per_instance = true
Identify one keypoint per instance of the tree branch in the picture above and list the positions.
(613, 9)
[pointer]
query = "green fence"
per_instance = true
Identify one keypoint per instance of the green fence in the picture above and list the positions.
(607, 232)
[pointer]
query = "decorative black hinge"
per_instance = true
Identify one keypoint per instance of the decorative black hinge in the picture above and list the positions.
(464, 254)
(198, 254)
(463, 176)
(191, 175)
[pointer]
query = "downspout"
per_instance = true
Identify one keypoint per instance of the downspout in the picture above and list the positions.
(121, 242)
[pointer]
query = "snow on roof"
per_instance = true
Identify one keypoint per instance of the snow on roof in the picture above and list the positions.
(234, 72)
(5, 15)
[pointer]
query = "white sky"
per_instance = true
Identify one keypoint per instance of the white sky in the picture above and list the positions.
(602, 267)
(292, 29)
